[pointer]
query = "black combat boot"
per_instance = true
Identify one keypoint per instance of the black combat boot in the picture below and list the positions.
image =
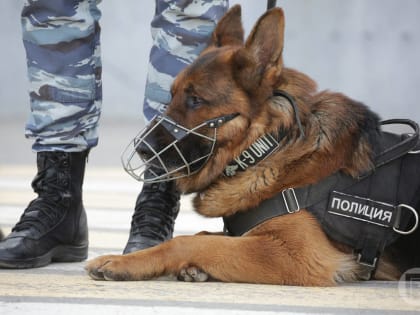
(54, 226)
(153, 221)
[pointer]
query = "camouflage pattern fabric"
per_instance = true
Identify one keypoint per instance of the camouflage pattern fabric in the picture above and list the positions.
(180, 30)
(61, 39)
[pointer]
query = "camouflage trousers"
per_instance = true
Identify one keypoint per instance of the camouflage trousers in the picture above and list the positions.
(62, 44)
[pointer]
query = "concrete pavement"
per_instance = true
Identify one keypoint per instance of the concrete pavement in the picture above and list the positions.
(109, 196)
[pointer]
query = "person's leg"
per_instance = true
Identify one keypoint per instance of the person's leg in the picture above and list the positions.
(180, 30)
(61, 40)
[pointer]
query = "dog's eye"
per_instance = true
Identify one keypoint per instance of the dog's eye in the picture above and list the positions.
(194, 101)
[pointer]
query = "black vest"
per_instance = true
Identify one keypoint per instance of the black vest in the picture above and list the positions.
(367, 213)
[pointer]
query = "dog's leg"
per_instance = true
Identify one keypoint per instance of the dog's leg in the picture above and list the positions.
(266, 258)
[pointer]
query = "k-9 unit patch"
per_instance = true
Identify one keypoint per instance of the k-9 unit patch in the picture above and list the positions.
(257, 152)
(362, 209)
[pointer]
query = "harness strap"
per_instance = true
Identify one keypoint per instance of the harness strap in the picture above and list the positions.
(291, 200)
(401, 148)
(368, 256)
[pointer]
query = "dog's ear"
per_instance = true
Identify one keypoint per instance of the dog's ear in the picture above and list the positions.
(262, 55)
(229, 30)
(265, 42)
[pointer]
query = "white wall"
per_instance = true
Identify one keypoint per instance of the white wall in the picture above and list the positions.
(368, 49)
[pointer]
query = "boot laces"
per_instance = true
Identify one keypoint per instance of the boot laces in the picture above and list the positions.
(155, 213)
(48, 208)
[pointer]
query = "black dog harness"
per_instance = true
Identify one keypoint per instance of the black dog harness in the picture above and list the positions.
(367, 213)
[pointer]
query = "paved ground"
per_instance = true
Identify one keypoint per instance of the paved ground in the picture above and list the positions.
(109, 196)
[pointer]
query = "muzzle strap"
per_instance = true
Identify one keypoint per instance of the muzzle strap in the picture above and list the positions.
(176, 131)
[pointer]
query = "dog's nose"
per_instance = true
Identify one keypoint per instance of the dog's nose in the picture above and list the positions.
(144, 151)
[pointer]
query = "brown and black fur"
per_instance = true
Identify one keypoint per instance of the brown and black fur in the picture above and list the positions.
(233, 76)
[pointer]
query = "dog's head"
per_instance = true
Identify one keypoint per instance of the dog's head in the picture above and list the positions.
(220, 103)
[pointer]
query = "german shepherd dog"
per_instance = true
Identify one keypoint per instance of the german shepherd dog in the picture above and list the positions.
(234, 80)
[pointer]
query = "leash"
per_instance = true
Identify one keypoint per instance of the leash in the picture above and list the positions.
(271, 4)
(292, 102)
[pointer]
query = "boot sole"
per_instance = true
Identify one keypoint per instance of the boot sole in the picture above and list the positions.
(63, 253)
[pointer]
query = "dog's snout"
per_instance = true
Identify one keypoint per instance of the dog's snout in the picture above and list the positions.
(144, 150)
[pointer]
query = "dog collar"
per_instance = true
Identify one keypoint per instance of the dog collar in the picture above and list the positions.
(263, 146)
(258, 151)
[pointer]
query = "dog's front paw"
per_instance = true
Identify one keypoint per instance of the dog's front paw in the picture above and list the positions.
(192, 274)
(110, 267)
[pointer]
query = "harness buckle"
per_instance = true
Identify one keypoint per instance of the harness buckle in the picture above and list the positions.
(370, 267)
(290, 200)
(416, 217)
(363, 262)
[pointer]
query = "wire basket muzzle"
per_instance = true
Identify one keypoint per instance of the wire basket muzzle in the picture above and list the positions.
(166, 150)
